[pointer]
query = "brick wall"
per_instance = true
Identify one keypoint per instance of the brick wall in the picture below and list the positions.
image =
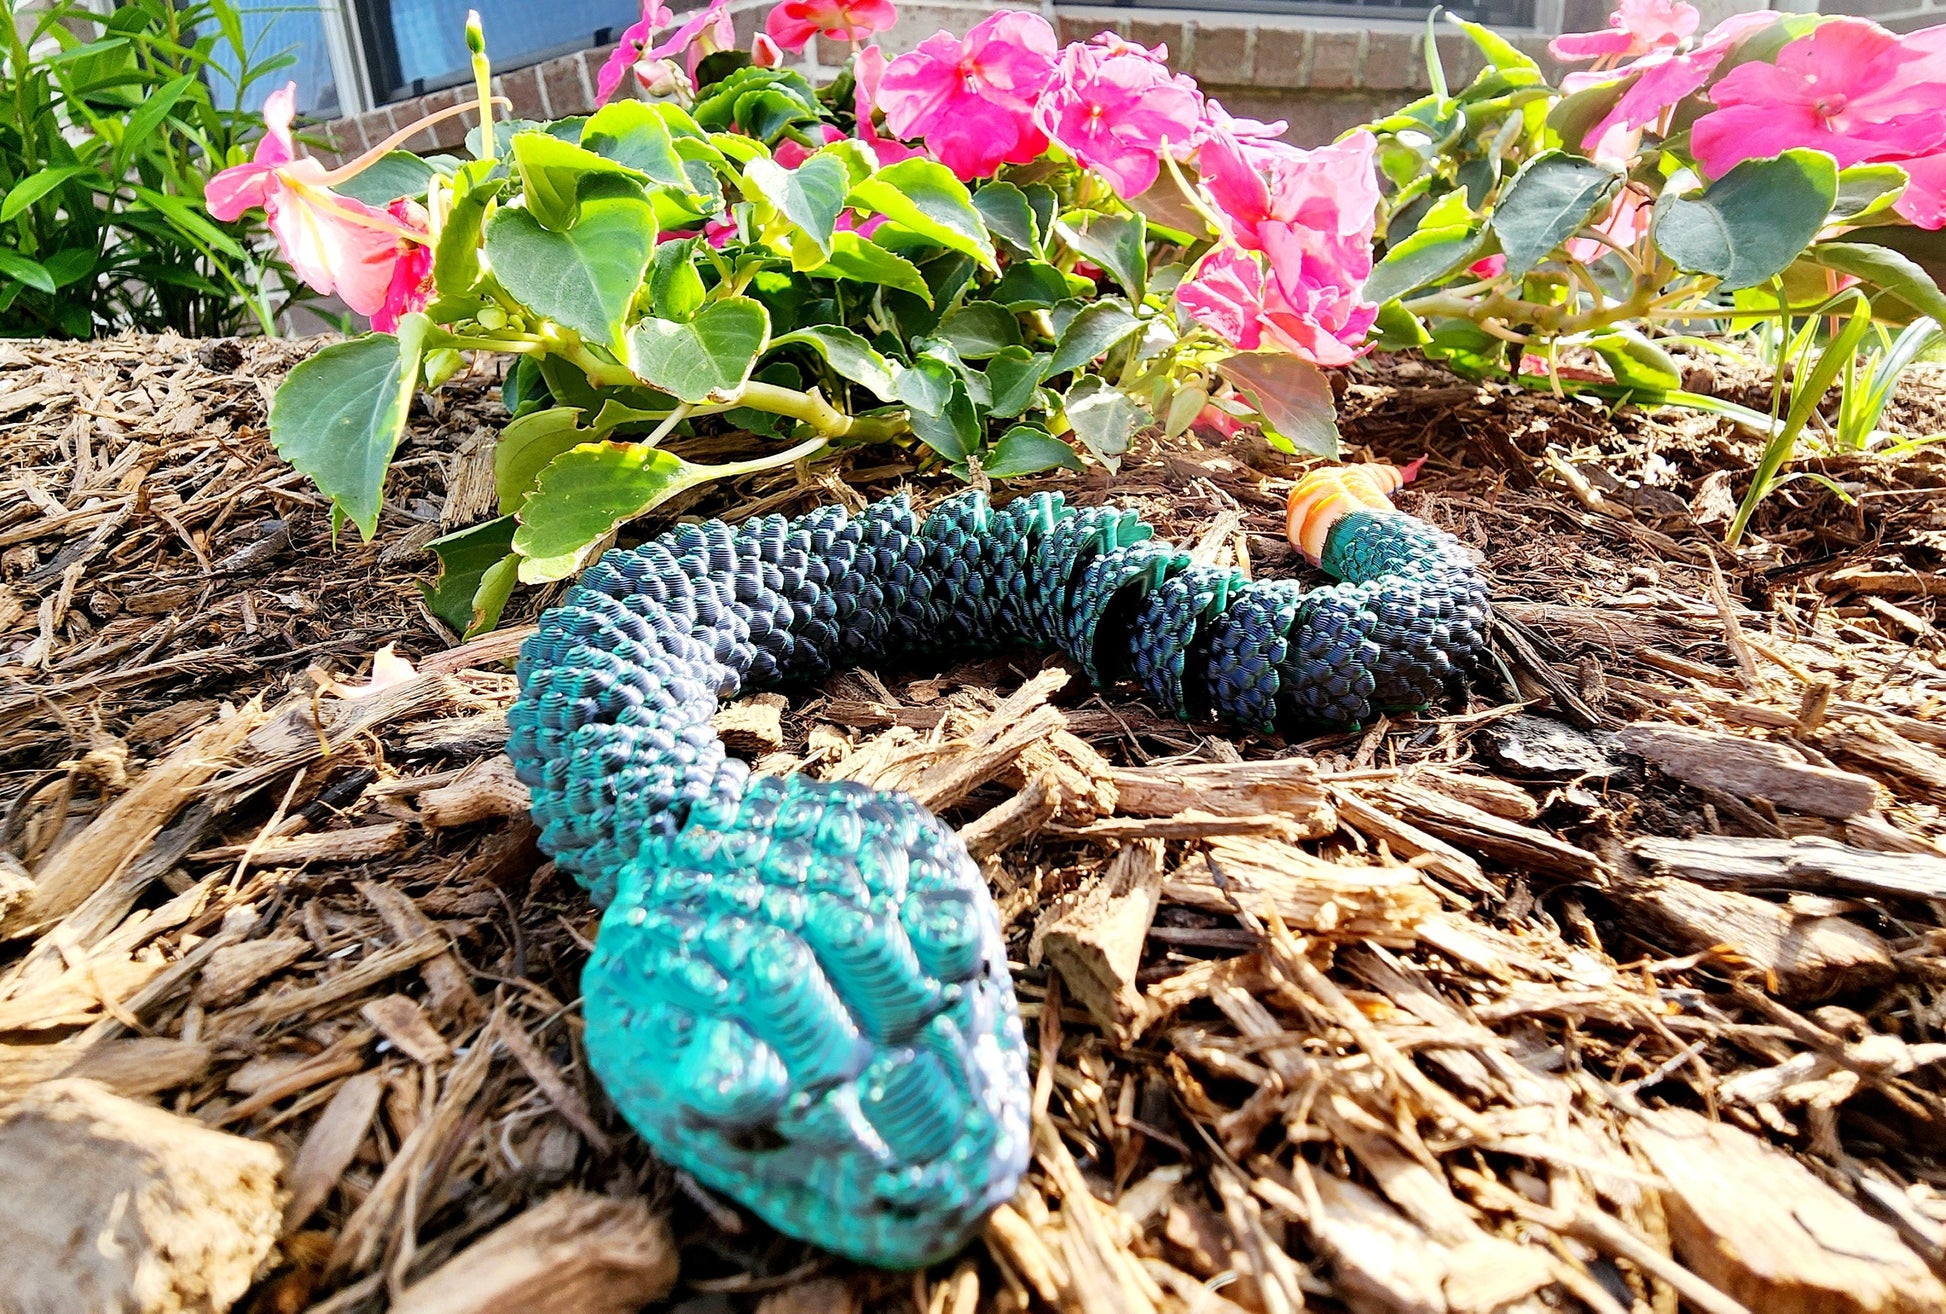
(1323, 75)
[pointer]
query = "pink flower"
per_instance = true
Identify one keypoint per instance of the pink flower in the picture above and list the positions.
(972, 101)
(1332, 189)
(764, 52)
(1635, 28)
(712, 23)
(867, 72)
(334, 243)
(655, 15)
(1625, 223)
(790, 153)
(1116, 107)
(1309, 304)
(1923, 204)
(1848, 88)
(1488, 266)
(794, 23)
(1661, 79)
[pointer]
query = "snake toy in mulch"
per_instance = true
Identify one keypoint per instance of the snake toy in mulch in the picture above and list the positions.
(799, 992)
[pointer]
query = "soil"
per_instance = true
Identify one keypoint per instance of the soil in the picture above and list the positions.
(1617, 988)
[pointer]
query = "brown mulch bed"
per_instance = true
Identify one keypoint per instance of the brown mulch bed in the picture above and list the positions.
(1617, 989)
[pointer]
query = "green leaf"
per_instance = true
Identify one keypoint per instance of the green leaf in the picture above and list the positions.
(1748, 225)
(1548, 201)
(586, 277)
(811, 196)
(1103, 417)
(1031, 285)
(385, 180)
(848, 354)
(1185, 404)
(676, 289)
(1500, 52)
(634, 135)
(476, 574)
(1429, 256)
(526, 446)
(926, 198)
(1009, 217)
(1883, 268)
(1028, 449)
(590, 490)
(456, 259)
(1116, 242)
(980, 329)
(861, 260)
(1012, 377)
(706, 359)
(31, 272)
(1398, 328)
(147, 120)
(552, 172)
(939, 408)
(35, 186)
(1863, 190)
(1097, 329)
(1635, 361)
(339, 415)
(1293, 396)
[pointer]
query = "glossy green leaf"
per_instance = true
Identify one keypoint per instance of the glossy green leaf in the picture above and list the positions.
(980, 329)
(1865, 190)
(811, 196)
(31, 272)
(676, 289)
(1028, 449)
(939, 408)
(925, 197)
(1398, 328)
(385, 180)
(32, 188)
(1635, 361)
(1427, 257)
(1552, 197)
(634, 134)
(1185, 404)
(338, 416)
(552, 173)
(861, 260)
(586, 277)
(456, 257)
(706, 358)
(1008, 216)
(1031, 285)
(1116, 242)
(477, 570)
(526, 446)
(590, 490)
(1293, 396)
(1884, 269)
(849, 355)
(1103, 417)
(1012, 377)
(1098, 328)
(148, 118)
(1747, 226)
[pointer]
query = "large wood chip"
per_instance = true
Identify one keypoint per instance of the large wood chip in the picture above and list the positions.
(1286, 787)
(358, 844)
(1487, 834)
(234, 970)
(330, 1144)
(1757, 1225)
(1812, 865)
(1097, 943)
(144, 1065)
(113, 1205)
(484, 791)
(124, 828)
(1311, 895)
(1804, 958)
(574, 1253)
(1748, 769)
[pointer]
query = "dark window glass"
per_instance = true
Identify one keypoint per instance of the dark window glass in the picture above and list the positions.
(1499, 13)
(416, 46)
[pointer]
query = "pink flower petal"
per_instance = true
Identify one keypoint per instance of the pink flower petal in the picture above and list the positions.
(238, 188)
(1923, 203)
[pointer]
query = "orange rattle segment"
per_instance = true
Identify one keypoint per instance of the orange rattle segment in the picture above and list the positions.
(1326, 495)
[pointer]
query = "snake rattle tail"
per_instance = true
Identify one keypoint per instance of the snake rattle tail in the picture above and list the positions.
(799, 992)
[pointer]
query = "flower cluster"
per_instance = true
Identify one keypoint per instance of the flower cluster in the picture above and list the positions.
(1847, 87)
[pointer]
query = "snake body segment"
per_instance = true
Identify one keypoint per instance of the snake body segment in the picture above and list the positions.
(799, 992)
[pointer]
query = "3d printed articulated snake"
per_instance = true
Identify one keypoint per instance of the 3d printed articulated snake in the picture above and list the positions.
(799, 992)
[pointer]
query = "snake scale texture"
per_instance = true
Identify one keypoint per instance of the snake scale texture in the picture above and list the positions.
(799, 991)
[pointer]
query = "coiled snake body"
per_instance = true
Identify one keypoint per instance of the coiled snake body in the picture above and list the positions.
(799, 992)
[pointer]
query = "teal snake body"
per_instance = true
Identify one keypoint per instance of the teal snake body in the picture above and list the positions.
(799, 992)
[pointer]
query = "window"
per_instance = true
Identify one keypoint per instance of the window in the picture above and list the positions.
(416, 46)
(296, 33)
(1495, 13)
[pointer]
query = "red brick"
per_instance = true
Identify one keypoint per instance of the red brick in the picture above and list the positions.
(1223, 54)
(1337, 59)
(376, 125)
(561, 81)
(1393, 61)
(1283, 57)
(1318, 119)
(1461, 59)
(1081, 27)
(523, 88)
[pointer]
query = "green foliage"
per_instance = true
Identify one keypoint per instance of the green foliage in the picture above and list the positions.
(109, 128)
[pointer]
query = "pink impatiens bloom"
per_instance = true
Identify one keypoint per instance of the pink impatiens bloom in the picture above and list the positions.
(713, 23)
(1332, 189)
(1923, 203)
(1661, 79)
(1309, 303)
(1116, 107)
(1635, 28)
(794, 23)
(635, 39)
(334, 243)
(1625, 224)
(972, 101)
(1848, 88)
(867, 72)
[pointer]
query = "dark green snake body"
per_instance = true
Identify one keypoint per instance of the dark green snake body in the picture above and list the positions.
(799, 992)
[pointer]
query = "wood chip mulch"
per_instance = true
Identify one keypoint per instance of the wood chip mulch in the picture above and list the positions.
(1617, 989)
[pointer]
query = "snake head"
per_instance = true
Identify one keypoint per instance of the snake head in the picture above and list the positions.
(1326, 495)
(801, 997)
